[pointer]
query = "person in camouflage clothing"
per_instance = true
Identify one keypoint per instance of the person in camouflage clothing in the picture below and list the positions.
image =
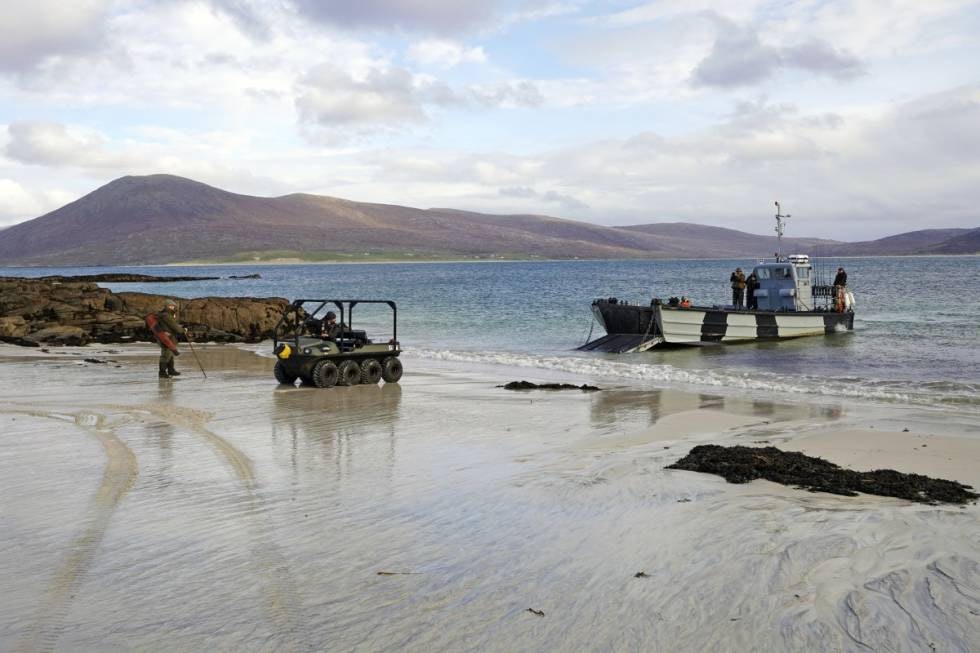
(168, 320)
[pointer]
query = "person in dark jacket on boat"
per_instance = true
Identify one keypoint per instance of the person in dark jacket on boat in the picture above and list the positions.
(841, 278)
(167, 319)
(840, 286)
(751, 285)
(738, 288)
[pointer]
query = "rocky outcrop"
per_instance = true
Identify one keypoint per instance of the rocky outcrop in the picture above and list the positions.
(36, 311)
(124, 277)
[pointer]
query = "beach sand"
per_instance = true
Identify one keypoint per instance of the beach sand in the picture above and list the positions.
(446, 514)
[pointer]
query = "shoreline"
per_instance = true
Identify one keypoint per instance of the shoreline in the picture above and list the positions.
(871, 424)
(184, 264)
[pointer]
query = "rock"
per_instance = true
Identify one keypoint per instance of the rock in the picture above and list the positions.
(250, 319)
(14, 326)
(64, 311)
(123, 277)
(61, 335)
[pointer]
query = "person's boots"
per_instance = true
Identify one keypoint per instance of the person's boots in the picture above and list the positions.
(164, 374)
(171, 371)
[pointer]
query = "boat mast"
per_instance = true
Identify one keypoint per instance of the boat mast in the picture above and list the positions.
(780, 225)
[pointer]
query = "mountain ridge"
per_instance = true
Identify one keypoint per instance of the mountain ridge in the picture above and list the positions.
(162, 218)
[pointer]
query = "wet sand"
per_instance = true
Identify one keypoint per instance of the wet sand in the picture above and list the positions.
(435, 514)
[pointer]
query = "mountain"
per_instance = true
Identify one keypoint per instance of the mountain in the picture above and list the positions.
(167, 219)
(966, 243)
(912, 242)
(163, 219)
(695, 239)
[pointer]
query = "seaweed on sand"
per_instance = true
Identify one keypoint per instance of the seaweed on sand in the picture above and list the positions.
(740, 464)
(527, 385)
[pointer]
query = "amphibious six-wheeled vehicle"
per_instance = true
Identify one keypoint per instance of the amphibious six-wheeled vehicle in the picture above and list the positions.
(307, 348)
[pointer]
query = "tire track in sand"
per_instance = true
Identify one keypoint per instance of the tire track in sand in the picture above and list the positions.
(118, 477)
(280, 600)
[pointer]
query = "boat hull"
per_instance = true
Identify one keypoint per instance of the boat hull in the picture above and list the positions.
(697, 326)
(631, 327)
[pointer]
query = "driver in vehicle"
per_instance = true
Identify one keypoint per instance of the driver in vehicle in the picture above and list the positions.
(331, 330)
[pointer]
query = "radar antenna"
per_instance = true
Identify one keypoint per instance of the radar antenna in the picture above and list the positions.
(780, 225)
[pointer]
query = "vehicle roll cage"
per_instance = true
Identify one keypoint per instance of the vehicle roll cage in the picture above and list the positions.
(295, 318)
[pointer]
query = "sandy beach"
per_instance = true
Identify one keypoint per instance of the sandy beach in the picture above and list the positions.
(444, 513)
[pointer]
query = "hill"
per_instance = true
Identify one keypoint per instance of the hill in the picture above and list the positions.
(966, 243)
(913, 242)
(696, 239)
(169, 219)
(164, 219)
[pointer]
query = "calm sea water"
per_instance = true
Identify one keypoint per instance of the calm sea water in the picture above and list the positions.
(915, 339)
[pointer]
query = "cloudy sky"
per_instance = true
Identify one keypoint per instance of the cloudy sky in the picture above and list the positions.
(861, 116)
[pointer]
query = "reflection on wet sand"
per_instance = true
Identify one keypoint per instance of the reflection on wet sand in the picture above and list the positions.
(627, 409)
(332, 424)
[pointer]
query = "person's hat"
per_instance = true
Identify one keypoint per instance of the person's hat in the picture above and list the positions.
(170, 302)
(330, 316)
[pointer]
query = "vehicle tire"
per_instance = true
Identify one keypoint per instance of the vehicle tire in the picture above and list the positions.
(370, 371)
(350, 373)
(282, 375)
(325, 374)
(391, 369)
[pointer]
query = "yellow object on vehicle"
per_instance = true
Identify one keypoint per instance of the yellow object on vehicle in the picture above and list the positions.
(284, 351)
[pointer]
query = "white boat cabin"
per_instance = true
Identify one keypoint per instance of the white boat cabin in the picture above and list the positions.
(785, 284)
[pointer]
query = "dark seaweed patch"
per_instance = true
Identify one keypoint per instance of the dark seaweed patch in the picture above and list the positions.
(743, 464)
(527, 385)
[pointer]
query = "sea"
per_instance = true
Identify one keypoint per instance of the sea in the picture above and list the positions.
(915, 340)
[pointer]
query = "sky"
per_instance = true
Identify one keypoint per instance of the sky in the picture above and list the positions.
(861, 117)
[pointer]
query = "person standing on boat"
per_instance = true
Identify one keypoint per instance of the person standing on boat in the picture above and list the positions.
(840, 286)
(751, 284)
(841, 278)
(738, 288)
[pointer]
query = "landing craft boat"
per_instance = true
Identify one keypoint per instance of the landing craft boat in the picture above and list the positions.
(791, 304)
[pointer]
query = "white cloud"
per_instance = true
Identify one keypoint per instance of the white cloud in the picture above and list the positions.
(18, 203)
(445, 53)
(671, 9)
(31, 31)
(876, 28)
(847, 176)
(53, 144)
(333, 98)
(382, 98)
(437, 16)
(564, 202)
(739, 58)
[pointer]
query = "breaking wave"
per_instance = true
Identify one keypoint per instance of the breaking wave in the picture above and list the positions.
(946, 393)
